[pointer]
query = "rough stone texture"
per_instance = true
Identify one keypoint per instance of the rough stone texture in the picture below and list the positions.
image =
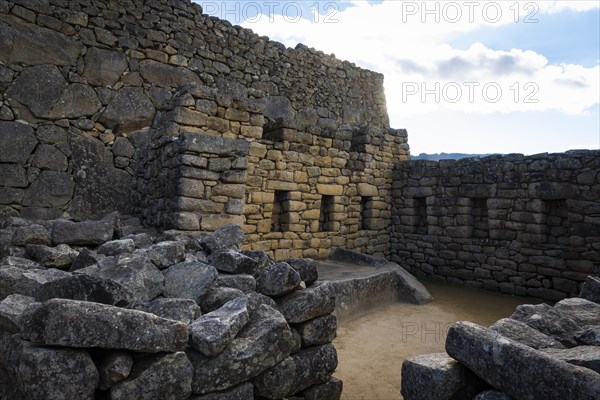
(277, 279)
(189, 280)
(584, 356)
(303, 305)
(50, 189)
(116, 247)
(234, 263)
(225, 238)
(11, 310)
(330, 390)
(51, 373)
(297, 372)
(264, 342)
(82, 233)
(548, 321)
(104, 67)
(591, 289)
(518, 370)
(166, 377)
(86, 288)
(318, 331)
(589, 336)
(582, 311)
(184, 310)
(60, 256)
(72, 323)
(166, 254)
(46, 80)
(216, 297)
(438, 377)
(85, 258)
(211, 333)
(243, 282)
(306, 267)
(134, 272)
(524, 334)
(113, 368)
(17, 142)
(14, 280)
(128, 111)
(31, 234)
(241, 392)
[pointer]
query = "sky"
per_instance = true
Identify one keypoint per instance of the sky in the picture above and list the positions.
(461, 76)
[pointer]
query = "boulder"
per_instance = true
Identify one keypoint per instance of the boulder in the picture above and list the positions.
(212, 332)
(46, 81)
(31, 234)
(297, 372)
(104, 67)
(50, 157)
(113, 368)
(166, 254)
(303, 305)
(78, 100)
(166, 376)
(262, 258)
(73, 323)
(44, 373)
(318, 331)
(19, 262)
(51, 189)
(167, 75)
(438, 377)
(11, 310)
(86, 233)
(245, 283)
(216, 297)
(330, 390)
(549, 321)
(232, 262)
(516, 369)
(582, 311)
(277, 279)
(228, 237)
(85, 258)
(183, 310)
(134, 272)
(17, 141)
(189, 280)
(590, 290)
(524, 334)
(116, 247)
(61, 256)
(128, 111)
(86, 288)
(584, 356)
(244, 391)
(410, 289)
(261, 344)
(14, 280)
(306, 267)
(589, 336)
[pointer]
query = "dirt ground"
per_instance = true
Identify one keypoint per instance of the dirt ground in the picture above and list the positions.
(371, 348)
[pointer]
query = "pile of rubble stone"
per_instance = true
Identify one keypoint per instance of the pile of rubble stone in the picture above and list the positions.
(540, 352)
(93, 310)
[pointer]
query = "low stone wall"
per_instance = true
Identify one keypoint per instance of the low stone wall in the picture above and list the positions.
(515, 224)
(540, 352)
(88, 310)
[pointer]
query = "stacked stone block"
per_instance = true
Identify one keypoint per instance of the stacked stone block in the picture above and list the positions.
(89, 312)
(519, 225)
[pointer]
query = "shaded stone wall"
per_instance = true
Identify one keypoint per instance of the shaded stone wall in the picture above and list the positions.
(515, 224)
(82, 83)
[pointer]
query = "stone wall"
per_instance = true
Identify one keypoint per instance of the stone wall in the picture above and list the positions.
(514, 224)
(119, 85)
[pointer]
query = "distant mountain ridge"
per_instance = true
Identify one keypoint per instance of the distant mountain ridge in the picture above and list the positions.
(445, 156)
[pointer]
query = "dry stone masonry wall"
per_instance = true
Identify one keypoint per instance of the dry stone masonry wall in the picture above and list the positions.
(528, 226)
(121, 88)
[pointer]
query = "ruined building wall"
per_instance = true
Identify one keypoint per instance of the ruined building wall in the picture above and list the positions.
(97, 97)
(515, 224)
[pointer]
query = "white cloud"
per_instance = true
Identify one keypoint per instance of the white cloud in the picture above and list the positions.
(402, 40)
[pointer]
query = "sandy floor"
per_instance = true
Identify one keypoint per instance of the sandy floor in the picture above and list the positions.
(371, 348)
